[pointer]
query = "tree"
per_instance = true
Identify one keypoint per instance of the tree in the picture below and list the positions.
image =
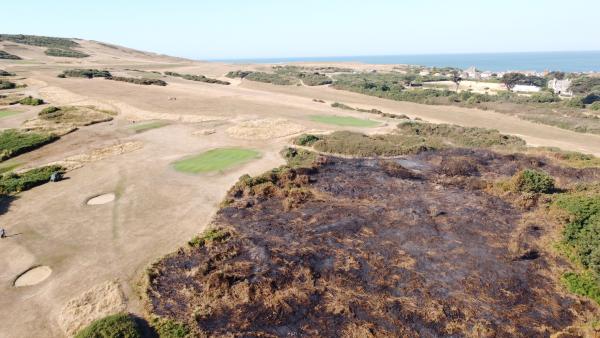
(456, 79)
(510, 80)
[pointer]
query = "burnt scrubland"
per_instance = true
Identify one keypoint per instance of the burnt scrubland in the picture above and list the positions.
(459, 238)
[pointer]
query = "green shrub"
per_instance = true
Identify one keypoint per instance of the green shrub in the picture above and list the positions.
(341, 106)
(13, 183)
(314, 79)
(7, 84)
(273, 78)
(31, 101)
(5, 73)
(41, 41)
(145, 82)
(238, 73)
(120, 325)
(575, 102)
(48, 111)
(14, 142)
(306, 139)
(298, 157)
(211, 235)
(85, 73)
(583, 232)
(199, 78)
(533, 181)
(7, 56)
(168, 328)
(595, 106)
(584, 284)
(585, 84)
(68, 53)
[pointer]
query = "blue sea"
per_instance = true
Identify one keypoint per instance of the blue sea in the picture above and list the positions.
(588, 61)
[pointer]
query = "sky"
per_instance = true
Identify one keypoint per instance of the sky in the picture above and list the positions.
(236, 29)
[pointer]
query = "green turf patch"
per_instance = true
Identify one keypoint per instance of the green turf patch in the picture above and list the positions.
(142, 127)
(6, 113)
(215, 160)
(344, 121)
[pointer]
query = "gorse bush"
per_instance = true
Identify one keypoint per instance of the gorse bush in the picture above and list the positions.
(85, 73)
(584, 284)
(199, 78)
(31, 101)
(4, 84)
(7, 56)
(41, 41)
(145, 82)
(583, 231)
(211, 235)
(409, 138)
(533, 181)
(585, 84)
(238, 73)
(306, 140)
(120, 325)
(167, 328)
(68, 53)
(14, 142)
(5, 73)
(13, 183)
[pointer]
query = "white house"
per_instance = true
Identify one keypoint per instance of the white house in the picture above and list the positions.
(526, 89)
(560, 87)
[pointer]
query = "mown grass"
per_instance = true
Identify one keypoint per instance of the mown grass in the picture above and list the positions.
(215, 160)
(14, 183)
(14, 142)
(119, 325)
(142, 127)
(6, 113)
(344, 121)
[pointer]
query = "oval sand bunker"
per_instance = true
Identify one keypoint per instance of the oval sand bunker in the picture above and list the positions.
(33, 276)
(101, 199)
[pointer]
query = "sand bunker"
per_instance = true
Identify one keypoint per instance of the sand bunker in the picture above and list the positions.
(101, 199)
(100, 301)
(264, 129)
(33, 276)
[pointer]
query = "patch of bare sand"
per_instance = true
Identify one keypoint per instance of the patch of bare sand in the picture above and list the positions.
(77, 161)
(264, 129)
(100, 301)
(33, 276)
(135, 114)
(101, 199)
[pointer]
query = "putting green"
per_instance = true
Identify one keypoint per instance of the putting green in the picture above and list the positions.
(215, 160)
(344, 121)
(138, 128)
(5, 113)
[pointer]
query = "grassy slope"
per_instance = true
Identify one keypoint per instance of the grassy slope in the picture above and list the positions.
(344, 121)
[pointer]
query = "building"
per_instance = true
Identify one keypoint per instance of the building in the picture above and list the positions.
(526, 89)
(472, 73)
(560, 87)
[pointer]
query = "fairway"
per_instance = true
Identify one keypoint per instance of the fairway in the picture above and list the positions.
(215, 160)
(142, 127)
(344, 121)
(5, 113)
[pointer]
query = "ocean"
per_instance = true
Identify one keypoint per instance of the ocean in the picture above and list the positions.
(588, 61)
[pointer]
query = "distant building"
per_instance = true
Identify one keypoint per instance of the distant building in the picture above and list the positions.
(486, 75)
(472, 73)
(560, 87)
(526, 89)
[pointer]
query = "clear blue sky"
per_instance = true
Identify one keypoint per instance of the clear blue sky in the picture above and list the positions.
(279, 28)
